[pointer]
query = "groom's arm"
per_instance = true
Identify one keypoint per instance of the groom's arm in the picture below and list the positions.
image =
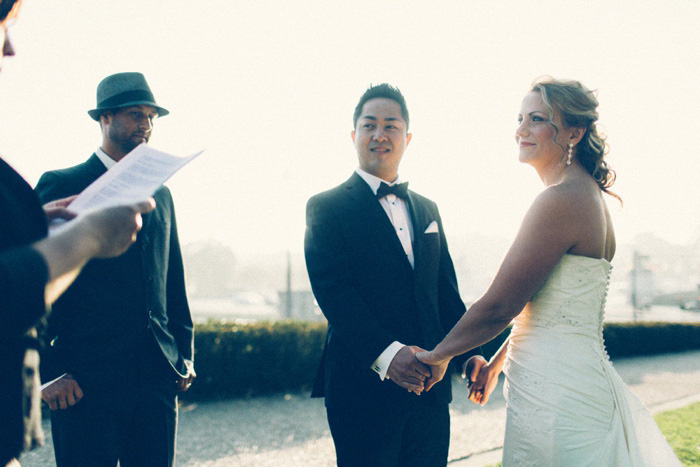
(326, 247)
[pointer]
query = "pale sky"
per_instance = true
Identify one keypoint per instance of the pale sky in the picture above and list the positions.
(268, 88)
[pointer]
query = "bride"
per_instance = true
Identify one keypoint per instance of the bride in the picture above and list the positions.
(566, 404)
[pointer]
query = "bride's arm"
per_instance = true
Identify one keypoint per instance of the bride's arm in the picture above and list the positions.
(546, 234)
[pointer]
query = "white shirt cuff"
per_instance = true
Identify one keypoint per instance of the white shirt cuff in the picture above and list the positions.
(381, 364)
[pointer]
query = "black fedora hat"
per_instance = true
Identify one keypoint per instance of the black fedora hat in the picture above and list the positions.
(124, 90)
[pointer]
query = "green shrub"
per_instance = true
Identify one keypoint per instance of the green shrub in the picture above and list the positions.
(255, 359)
(632, 339)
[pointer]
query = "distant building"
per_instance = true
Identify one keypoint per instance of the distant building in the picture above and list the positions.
(641, 288)
(641, 283)
(299, 305)
(694, 303)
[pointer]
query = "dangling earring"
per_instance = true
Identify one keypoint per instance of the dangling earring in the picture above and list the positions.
(568, 158)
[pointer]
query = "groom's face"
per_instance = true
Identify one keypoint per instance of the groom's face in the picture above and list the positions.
(381, 138)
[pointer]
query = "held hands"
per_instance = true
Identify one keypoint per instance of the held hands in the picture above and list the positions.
(483, 378)
(438, 366)
(408, 372)
(62, 393)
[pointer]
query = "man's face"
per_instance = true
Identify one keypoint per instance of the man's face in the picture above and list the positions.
(381, 138)
(130, 126)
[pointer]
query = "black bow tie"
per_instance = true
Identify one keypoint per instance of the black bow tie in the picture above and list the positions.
(400, 190)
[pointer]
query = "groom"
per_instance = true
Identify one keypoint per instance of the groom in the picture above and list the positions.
(381, 272)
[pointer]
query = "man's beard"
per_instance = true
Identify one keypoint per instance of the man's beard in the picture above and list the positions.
(126, 144)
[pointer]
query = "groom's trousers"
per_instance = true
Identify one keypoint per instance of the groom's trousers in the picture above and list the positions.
(407, 435)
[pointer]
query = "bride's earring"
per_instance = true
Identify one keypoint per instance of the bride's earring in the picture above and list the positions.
(568, 158)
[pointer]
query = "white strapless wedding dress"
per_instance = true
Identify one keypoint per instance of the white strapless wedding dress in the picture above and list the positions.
(567, 406)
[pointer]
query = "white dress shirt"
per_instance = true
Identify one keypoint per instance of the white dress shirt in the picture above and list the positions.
(397, 211)
(106, 160)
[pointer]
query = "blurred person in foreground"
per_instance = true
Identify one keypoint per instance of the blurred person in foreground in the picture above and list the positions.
(34, 270)
(381, 272)
(122, 338)
(566, 405)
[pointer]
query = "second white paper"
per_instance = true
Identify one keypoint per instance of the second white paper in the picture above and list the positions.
(136, 177)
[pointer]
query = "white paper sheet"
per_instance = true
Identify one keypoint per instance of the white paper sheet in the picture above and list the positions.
(46, 385)
(136, 177)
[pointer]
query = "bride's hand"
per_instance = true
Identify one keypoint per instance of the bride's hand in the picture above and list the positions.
(438, 367)
(484, 379)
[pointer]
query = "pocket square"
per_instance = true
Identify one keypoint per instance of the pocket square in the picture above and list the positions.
(432, 228)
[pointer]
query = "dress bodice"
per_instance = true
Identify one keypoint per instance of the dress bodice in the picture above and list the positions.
(573, 295)
(570, 305)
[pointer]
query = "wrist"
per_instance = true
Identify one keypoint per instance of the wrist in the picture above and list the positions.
(85, 236)
(441, 355)
(493, 368)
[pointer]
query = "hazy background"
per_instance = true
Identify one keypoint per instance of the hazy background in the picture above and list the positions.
(268, 89)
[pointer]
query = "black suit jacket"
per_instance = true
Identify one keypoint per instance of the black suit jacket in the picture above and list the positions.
(23, 272)
(366, 288)
(23, 277)
(114, 301)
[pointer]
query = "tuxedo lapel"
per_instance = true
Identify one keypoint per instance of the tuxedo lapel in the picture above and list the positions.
(417, 219)
(373, 214)
(421, 218)
(426, 261)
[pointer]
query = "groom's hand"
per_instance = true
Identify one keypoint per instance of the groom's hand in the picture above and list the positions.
(62, 393)
(406, 371)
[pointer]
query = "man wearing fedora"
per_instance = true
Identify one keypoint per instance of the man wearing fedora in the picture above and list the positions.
(121, 336)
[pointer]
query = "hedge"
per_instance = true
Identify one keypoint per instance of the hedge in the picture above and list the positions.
(632, 339)
(234, 361)
(255, 359)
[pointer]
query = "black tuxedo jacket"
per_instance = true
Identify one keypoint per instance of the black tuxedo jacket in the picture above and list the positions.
(114, 301)
(366, 288)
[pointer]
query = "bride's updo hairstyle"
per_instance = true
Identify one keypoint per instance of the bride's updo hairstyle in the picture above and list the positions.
(577, 106)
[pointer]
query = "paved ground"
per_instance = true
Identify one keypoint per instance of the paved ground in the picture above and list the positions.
(291, 430)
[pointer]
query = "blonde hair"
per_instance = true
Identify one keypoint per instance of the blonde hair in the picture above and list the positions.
(577, 106)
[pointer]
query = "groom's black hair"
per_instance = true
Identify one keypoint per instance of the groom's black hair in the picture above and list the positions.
(386, 91)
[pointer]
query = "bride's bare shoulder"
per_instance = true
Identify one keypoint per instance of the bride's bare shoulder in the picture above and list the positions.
(571, 208)
(575, 193)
